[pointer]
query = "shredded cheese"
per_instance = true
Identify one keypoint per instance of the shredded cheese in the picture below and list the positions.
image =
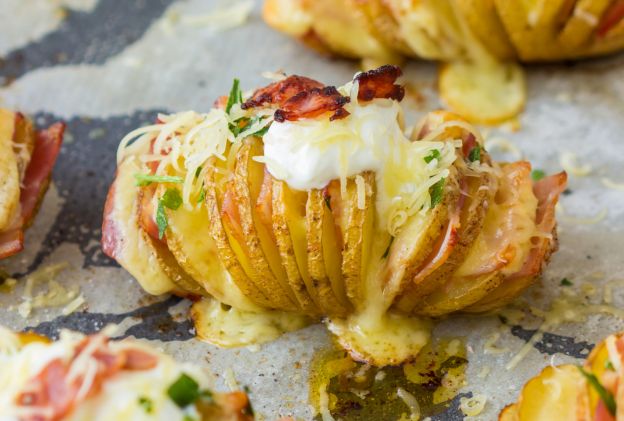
(55, 295)
(232, 16)
(610, 184)
(411, 402)
(489, 346)
(569, 162)
(472, 406)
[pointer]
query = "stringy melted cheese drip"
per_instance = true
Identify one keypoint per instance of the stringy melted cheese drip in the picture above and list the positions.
(308, 154)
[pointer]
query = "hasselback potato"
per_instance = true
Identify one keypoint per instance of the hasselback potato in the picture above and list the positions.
(589, 392)
(305, 199)
(479, 40)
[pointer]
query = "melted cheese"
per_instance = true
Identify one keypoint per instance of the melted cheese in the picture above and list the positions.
(119, 396)
(231, 327)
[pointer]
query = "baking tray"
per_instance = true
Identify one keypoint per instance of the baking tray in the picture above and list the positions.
(106, 67)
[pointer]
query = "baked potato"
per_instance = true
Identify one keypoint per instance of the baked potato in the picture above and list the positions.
(478, 40)
(27, 157)
(591, 392)
(93, 377)
(310, 201)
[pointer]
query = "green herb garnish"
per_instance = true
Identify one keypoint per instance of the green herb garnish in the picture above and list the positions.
(434, 154)
(436, 192)
(604, 394)
(566, 282)
(206, 395)
(383, 256)
(248, 410)
(475, 154)
(202, 195)
(235, 97)
(198, 171)
(147, 179)
(609, 365)
(184, 391)
(146, 404)
(172, 200)
(537, 175)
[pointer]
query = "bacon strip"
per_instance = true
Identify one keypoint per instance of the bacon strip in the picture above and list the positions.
(612, 17)
(279, 92)
(111, 243)
(379, 83)
(547, 191)
(52, 394)
(11, 242)
(37, 176)
(313, 103)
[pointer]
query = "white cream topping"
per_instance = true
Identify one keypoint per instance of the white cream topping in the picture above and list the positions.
(309, 153)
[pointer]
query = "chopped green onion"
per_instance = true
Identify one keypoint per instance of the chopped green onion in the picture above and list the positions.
(604, 394)
(198, 171)
(537, 175)
(147, 179)
(475, 154)
(206, 395)
(434, 154)
(566, 282)
(609, 365)
(235, 97)
(161, 220)
(184, 391)
(436, 192)
(146, 404)
(188, 418)
(171, 199)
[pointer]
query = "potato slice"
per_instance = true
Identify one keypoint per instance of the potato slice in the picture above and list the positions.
(357, 233)
(384, 26)
(260, 247)
(322, 245)
(557, 393)
(123, 240)
(23, 142)
(579, 28)
(229, 251)
(188, 239)
(485, 91)
(472, 216)
(484, 22)
(231, 327)
(416, 241)
(289, 228)
(9, 171)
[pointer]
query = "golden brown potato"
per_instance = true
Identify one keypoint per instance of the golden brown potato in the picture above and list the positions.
(589, 392)
(9, 171)
(277, 225)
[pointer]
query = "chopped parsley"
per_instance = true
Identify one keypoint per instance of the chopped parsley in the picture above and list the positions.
(235, 97)
(202, 195)
(383, 256)
(605, 395)
(147, 179)
(146, 404)
(434, 154)
(537, 175)
(436, 192)
(566, 282)
(172, 200)
(609, 365)
(475, 154)
(184, 391)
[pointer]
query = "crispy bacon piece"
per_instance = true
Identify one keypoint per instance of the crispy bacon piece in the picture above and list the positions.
(52, 394)
(379, 83)
(279, 92)
(11, 242)
(612, 17)
(313, 103)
